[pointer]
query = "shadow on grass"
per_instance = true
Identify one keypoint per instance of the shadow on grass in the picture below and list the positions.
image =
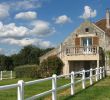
(71, 97)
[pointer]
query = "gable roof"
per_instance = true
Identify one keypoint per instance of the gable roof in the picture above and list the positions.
(102, 24)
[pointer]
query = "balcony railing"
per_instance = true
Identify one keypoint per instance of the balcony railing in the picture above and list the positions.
(82, 50)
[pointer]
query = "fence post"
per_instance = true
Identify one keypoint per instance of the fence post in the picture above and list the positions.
(21, 90)
(91, 81)
(11, 74)
(83, 79)
(100, 72)
(103, 72)
(1, 74)
(96, 74)
(54, 85)
(72, 83)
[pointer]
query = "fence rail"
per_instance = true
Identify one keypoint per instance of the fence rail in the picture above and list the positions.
(6, 75)
(99, 74)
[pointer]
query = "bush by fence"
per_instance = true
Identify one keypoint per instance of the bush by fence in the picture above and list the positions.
(51, 65)
(28, 71)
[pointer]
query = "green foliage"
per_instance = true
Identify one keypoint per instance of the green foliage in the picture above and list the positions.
(44, 51)
(52, 65)
(6, 63)
(27, 55)
(27, 71)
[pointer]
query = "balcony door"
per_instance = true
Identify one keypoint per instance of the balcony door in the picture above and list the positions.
(87, 42)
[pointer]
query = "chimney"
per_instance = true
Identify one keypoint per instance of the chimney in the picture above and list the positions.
(107, 18)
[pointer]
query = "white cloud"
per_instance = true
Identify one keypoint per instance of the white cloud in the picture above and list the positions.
(13, 35)
(88, 13)
(63, 19)
(2, 51)
(30, 15)
(39, 28)
(27, 41)
(42, 28)
(11, 30)
(27, 4)
(4, 10)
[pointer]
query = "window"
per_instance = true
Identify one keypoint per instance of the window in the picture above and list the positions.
(87, 41)
(86, 29)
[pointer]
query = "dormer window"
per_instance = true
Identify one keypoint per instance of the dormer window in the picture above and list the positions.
(86, 29)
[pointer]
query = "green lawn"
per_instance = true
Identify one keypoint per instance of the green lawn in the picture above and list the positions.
(99, 91)
(29, 90)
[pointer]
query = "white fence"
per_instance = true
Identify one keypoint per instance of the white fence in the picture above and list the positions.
(6, 75)
(99, 74)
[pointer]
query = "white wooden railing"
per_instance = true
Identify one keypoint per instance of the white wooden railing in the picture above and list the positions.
(6, 75)
(82, 50)
(99, 74)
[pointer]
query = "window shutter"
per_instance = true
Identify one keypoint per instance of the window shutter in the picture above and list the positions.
(77, 41)
(95, 41)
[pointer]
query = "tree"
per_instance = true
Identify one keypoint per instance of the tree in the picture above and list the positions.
(6, 63)
(30, 54)
(52, 65)
(27, 55)
(44, 51)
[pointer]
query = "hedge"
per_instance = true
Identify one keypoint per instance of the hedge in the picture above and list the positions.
(51, 65)
(27, 71)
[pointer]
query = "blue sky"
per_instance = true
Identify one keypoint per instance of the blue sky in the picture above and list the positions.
(44, 23)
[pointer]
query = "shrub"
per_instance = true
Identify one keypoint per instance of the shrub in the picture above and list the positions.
(52, 65)
(27, 71)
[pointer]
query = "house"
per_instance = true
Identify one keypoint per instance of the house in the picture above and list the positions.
(85, 47)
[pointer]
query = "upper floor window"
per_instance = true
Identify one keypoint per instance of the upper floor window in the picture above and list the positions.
(86, 29)
(87, 41)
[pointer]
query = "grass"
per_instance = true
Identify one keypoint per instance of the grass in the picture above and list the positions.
(7, 74)
(99, 91)
(30, 90)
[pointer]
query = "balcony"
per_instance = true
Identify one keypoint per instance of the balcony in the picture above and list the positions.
(91, 50)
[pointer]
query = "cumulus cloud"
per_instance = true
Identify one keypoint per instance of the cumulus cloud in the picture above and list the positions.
(26, 4)
(11, 34)
(4, 10)
(11, 30)
(88, 13)
(39, 28)
(30, 15)
(42, 28)
(27, 41)
(63, 19)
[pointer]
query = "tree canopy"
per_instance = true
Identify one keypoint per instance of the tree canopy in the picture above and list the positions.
(27, 55)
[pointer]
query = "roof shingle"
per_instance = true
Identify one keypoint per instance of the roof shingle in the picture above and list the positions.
(102, 24)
